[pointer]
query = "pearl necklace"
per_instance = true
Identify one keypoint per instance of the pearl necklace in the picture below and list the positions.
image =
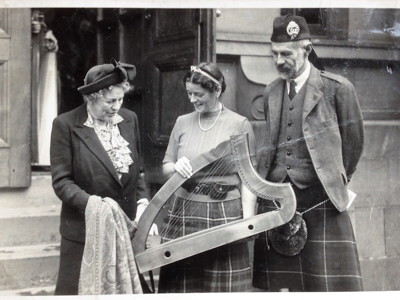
(212, 125)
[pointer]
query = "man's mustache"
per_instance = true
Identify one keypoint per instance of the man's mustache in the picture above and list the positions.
(283, 68)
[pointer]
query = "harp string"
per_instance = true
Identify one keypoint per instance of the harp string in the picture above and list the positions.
(188, 203)
(174, 214)
(220, 167)
(171, 224)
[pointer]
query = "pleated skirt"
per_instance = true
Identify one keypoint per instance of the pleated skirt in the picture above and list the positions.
(224, 269)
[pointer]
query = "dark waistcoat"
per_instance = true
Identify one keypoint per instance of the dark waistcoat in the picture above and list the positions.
(292, 157)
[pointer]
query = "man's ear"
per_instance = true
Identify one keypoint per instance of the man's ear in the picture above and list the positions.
(309, 49)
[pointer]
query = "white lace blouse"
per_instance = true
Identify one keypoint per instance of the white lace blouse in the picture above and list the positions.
(114, 144)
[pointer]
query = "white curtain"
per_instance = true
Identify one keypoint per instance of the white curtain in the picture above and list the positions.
(47, 96)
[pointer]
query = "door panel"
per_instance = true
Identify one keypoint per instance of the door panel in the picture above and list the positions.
(15, 113)
(172, 51)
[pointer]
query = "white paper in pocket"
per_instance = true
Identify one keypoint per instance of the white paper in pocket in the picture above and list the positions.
(352, 196)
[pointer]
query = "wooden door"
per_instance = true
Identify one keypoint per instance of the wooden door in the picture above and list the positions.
(178, 39)
(15, 97)
(163, 44)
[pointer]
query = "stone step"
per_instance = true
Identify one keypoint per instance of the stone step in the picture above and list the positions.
(38, 291)
(39, 193)
(33, 266)
(29, 225)
(32, 270)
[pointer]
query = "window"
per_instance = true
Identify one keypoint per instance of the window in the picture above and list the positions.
(324, 23)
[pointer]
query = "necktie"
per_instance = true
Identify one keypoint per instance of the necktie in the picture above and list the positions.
(292, 90)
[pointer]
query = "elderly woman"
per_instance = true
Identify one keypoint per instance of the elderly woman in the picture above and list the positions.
(198, 204)
(95, 154)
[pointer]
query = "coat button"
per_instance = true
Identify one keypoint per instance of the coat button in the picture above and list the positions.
(288, 167)
(288, 153)
(288, 138)
(291, 107)
(289, 123)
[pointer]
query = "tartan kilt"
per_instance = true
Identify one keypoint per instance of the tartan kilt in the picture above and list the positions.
(329, 260)
(223, 269)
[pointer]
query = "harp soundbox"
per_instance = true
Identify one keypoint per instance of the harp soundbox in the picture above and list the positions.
(195, 243)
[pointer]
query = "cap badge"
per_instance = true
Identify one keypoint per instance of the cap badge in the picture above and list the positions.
(293, 30)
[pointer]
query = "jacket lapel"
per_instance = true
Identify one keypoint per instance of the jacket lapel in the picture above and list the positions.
(275, 109)
(90, 139)
(313, 91)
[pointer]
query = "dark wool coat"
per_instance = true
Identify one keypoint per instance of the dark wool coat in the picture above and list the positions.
(80, 167)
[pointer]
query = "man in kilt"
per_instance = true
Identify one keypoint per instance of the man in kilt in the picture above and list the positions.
(314, 141)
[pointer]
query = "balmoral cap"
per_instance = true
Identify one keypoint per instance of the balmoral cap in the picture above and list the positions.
(102, 76)
(289, 28)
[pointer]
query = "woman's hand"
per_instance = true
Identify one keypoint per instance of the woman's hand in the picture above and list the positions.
(183, 167)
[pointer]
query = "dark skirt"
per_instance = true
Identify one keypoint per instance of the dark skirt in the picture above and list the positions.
(329, 260)
(224, 269)
(71, 253)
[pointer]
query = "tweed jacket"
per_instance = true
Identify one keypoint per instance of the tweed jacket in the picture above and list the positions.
(80, 167)
(332, 127)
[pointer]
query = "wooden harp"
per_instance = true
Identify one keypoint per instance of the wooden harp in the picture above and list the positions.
(195, 243)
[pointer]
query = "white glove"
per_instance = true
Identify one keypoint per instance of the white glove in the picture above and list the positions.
(95, 197)
(141, 206)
